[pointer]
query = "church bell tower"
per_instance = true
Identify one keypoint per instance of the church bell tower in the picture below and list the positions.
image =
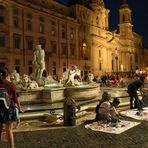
(125, 24)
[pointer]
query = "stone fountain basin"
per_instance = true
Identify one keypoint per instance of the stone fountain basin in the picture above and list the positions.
(58, 94)
(83, 92)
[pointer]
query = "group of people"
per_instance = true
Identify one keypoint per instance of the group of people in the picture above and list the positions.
(8, 90)
(106, 109)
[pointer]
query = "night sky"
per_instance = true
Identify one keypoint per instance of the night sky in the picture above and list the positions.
(139, 14)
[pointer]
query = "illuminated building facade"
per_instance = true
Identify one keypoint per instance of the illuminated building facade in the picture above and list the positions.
(69, 35)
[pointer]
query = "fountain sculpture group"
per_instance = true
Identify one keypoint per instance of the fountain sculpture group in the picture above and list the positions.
(39, 88)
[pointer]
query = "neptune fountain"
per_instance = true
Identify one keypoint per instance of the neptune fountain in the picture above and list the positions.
(36, 88)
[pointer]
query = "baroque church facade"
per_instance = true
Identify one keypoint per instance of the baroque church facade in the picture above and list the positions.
(74, 35)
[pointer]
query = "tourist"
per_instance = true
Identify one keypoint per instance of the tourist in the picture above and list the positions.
(107, 111)
(113, 112)
(132, 90)
(8, 116)
(105, 98)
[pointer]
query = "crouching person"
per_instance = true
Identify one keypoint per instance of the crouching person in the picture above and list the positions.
(107, 111)
(113, 112)
(104, 103)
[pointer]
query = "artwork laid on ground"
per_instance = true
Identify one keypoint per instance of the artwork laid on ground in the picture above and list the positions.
(113, 128)
(133, 114)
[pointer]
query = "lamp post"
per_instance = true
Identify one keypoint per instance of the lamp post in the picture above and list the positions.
(116, 57)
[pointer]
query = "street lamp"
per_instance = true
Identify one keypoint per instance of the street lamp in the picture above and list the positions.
(116, 57)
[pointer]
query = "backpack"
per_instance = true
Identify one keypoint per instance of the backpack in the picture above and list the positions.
(4, 99)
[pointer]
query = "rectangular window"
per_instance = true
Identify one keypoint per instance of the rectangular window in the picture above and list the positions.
(64, 69)
(112, 65)
(17, 62)
(17, 68)
(72, 49)
(2, 64)
(16, 22)
(41, 28)
(30, 71)
(63, 34)
(99, 53)
(54, 71)
(2, 41)
(16, 11)
(54, 47)
(41, 19)
(64, 48)
(2, 19)
(42, 42)
(100, 66)
(29, 25)
(29, 15)
(30, 62)
(29, 43)
(16, 41)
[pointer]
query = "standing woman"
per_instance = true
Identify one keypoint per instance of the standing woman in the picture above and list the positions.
(8, 116)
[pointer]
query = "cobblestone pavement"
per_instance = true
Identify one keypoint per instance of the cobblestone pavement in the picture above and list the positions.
(79, 137)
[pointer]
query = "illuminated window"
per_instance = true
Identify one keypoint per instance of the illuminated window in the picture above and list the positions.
(41, 28)
(84, 51)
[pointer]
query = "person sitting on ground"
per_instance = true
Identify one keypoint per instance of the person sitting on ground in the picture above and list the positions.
(113, 112)
(107, 111)
(8, 116)
(105, 98)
